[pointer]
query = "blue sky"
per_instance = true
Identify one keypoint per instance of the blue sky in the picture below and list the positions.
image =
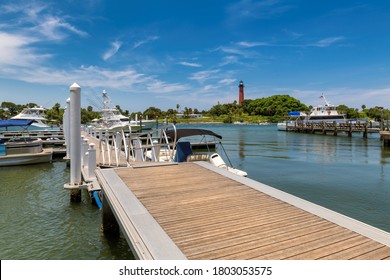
(194, 53)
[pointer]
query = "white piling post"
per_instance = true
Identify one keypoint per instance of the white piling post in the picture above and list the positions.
(84, 149)
(75, 134)
(91, 161)
(85, 152)
(66, 121)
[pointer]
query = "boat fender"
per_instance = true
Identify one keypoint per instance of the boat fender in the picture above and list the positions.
(97, 199)
(216, 160)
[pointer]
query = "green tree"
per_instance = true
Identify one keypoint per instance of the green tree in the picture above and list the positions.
(152, 113)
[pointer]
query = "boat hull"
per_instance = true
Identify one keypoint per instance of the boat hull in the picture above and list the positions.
(44, 156)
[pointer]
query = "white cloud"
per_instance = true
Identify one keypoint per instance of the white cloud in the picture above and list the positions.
(252, 9)
(251, 44)
(190, 64)
(230, 59)
(227, 81)
(327, 42)
(15, 51)
(115, 46)
(35, 18)
(203, 76)
(351, 97)
(232, 50)
(145, 41)
(126, 80)
(157, 86)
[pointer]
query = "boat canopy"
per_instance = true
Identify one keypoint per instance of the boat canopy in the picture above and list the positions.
(186, 132)
(296, 114)
(15, 122)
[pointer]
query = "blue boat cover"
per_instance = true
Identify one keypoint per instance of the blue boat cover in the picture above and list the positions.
(183, 150)
(294, 113)
(10, 122)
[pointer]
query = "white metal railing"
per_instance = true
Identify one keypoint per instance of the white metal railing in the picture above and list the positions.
(122, 146)
(116, 146)
(155, 145)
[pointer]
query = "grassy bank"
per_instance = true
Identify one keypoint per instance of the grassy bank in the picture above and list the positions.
(224, 119)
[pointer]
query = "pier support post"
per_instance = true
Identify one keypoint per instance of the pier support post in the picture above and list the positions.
(350, 130)
(110, 226)
(385, 137)
(323, 128)
(66, 122)
(365, 132)
(75, 134)
(75, 144)
(84, 149)
(91, 161)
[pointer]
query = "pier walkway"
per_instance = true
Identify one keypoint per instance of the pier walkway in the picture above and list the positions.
(198, 211)
(333, 128)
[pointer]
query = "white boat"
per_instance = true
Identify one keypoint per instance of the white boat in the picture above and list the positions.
(22, 151)
(320, 113)
(181, 148)
(112, 119)
(326, 113)
(37, 114)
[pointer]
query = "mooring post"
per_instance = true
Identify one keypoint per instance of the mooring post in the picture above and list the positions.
(85, 148)
(350, 130)
(66, 129)
(75, 135)
(91, 161)
(75, 144)
(365, 132)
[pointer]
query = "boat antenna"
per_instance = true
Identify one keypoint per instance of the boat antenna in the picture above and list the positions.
(326, 101)
(106, 99)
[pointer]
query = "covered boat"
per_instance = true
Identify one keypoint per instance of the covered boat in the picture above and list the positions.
(22, 150)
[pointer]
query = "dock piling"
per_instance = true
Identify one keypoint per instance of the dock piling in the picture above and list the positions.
(66, 122)
(91, 161)
(75, 184)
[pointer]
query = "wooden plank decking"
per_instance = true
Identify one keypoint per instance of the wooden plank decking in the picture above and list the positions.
(196, 211)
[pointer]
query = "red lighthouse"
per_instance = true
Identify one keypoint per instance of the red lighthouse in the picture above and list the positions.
(241, 93)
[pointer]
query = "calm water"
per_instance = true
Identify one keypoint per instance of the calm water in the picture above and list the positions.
(348, 175)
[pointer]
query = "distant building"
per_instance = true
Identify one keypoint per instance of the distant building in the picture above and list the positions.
(240, 93)
(191, 116)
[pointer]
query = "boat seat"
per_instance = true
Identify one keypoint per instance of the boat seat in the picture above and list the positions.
(183, 150)
(199, 157)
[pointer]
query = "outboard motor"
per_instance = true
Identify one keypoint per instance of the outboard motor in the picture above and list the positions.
(216, 160)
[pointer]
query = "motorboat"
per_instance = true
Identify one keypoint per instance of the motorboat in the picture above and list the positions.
(322, 113)
(186, 145)
(23, 150)
(112, 119)
(37, 114)
(326, 113)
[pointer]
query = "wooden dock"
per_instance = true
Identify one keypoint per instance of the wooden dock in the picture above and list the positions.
(385, 137)
(198, 211)
(333, 128)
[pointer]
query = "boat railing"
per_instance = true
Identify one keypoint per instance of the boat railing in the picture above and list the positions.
(115, 147)
(121, 146)
(155, 145)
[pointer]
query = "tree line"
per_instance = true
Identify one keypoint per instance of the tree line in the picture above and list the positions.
(271, 109)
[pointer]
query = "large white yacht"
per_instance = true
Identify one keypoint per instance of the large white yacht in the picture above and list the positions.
(112, 119)
(327, 112)
(320, 113)
(37, 114)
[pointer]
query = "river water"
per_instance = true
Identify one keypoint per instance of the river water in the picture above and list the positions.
(348, 175)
